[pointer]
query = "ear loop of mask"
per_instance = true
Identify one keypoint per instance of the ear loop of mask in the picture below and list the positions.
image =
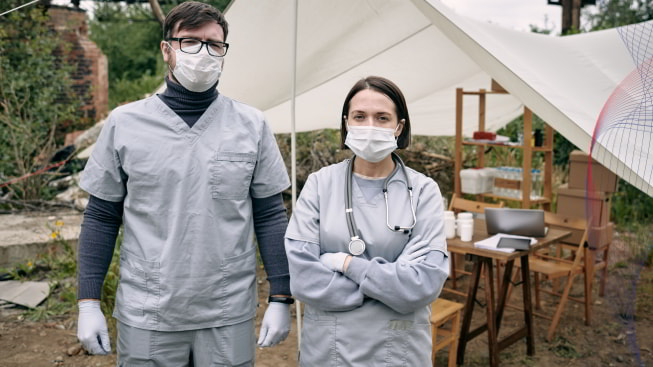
(347, 125)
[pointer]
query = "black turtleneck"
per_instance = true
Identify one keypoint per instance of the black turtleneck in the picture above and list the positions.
(187, 104)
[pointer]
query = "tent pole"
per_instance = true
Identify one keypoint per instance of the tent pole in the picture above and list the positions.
(293, 148)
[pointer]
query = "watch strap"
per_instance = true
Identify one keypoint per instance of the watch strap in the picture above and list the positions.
(286, 300)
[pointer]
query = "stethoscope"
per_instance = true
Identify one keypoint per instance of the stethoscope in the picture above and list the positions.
(356, 244)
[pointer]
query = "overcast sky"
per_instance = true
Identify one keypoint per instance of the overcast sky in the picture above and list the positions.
(513, 14)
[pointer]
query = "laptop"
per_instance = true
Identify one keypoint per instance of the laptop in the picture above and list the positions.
(522, 222)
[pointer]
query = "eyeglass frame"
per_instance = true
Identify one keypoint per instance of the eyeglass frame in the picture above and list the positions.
(203, 43)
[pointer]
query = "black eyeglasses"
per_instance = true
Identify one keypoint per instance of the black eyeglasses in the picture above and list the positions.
(193, 46)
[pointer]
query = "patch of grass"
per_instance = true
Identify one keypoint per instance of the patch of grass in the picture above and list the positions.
(61, 302)
(59, 267)
(644, 305)
(528, 361)
(564, 348)
(620, 265)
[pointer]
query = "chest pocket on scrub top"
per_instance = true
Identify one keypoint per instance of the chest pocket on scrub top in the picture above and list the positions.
(230, 174)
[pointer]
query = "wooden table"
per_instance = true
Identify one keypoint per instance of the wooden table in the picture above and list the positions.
(483, 262)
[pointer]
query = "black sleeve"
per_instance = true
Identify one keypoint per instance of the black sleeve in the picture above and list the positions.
(270, 222)
(102, 220)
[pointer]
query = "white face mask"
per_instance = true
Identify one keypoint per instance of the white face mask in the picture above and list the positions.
(371, 143)
(197, 72)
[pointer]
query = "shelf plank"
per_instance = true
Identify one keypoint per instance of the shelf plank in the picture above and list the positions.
(535, 149)
(532, 201)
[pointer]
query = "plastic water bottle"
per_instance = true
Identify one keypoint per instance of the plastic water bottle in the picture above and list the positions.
(519, 176)
(536, 184)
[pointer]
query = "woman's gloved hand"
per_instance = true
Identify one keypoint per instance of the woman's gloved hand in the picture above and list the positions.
(415, 251)
(92, 329)
(275, 326)
(335, 261)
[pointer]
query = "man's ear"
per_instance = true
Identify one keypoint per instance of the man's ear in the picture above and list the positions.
(165, 51)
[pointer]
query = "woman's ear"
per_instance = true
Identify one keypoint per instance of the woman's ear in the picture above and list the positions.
(400, 128)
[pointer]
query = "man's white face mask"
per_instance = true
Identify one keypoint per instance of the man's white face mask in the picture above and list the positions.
(196, 72)
(371, 143)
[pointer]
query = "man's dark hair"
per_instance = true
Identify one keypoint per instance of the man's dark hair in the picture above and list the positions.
(192, 15)
(390, 89)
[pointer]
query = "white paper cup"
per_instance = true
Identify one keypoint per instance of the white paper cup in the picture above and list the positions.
(466, 231)
(449, 227)
(449, 214)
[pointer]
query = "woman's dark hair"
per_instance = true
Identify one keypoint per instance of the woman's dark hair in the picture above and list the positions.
(392, 91)
(192, 15)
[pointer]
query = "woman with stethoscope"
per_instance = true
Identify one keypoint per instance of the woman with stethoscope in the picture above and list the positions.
(365, 244)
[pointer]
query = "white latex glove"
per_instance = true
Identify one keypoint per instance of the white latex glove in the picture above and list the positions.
(335, 261)
(275, 326)
(92, 329)
(415, 251)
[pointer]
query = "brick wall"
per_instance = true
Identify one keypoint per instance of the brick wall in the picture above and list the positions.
(90, 74)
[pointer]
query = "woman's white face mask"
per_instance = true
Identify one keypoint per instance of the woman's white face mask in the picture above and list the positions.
(371, 143)
(196, 72)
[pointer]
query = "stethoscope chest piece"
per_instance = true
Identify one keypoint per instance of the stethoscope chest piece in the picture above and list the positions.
(356, 246)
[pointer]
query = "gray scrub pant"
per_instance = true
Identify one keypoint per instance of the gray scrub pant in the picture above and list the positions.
(232, 345)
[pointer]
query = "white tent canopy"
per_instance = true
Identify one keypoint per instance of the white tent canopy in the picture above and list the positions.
(428, 50)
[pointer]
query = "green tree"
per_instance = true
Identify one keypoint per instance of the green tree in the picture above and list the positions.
(615, 13)
(129, 36)
(35, 95)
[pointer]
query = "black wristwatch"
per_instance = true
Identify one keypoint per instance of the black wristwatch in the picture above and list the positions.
(286, 300)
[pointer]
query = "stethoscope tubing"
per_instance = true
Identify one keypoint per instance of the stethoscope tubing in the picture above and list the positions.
(354, 233)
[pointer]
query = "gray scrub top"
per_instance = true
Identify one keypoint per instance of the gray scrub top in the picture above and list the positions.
(377, 313)
(188, 259)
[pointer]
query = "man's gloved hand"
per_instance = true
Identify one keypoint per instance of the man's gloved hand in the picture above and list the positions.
(92, 329)
(415, 251)
(275, 326)
(335, 261)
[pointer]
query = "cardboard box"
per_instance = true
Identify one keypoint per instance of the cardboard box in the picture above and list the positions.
(598, 237)
(574, 203)
(602, 178)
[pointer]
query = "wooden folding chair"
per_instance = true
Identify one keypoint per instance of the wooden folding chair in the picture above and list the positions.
(463, 205)
(443, 311)
(555, 266)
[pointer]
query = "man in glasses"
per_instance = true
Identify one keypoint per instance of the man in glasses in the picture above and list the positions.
(189, 173)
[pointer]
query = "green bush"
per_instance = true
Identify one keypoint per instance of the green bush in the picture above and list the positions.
(36, 96)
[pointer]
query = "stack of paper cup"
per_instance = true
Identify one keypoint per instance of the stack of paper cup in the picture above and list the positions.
(464, 219)
(449, 224)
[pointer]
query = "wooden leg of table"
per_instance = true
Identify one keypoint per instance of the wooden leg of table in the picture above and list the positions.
(503, 292)
(604, 272)
(491, 316)
(434, 338)
(510, 285)
(528, 311)
(469, 309)
(453, 271)
(455, 331)
(499, 266)
(589, 278)
(538, 306)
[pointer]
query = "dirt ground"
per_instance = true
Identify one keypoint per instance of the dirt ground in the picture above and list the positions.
(621, 333)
